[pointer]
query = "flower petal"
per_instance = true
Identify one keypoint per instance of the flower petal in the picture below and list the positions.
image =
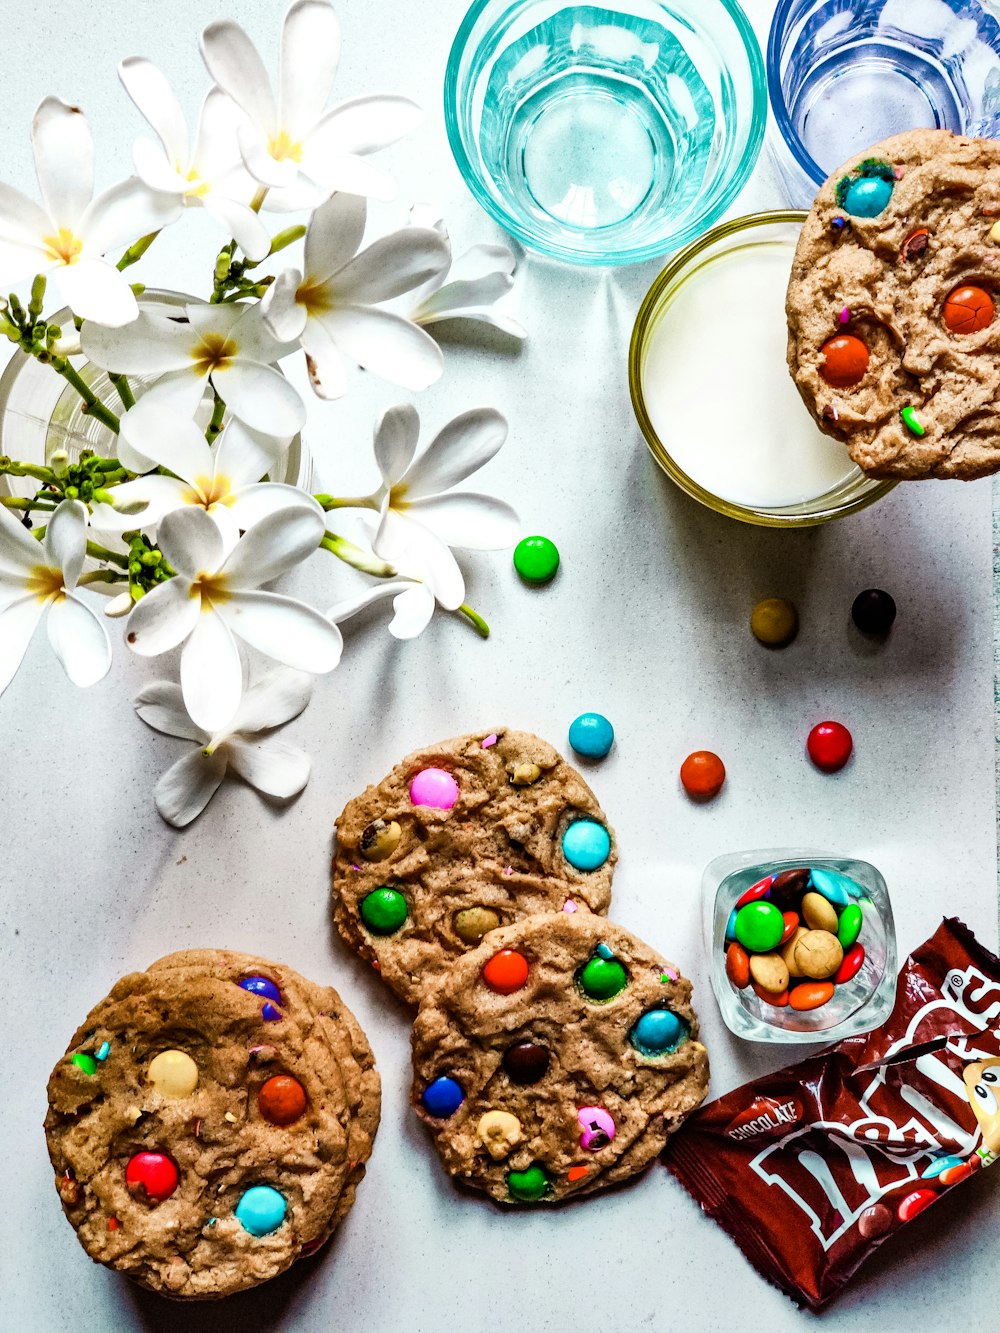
(364, 124)
(261, 397)
(395, 264)
(163, 618)
(234, 64)
(460, 448)
(122, 214)
(22, 222)
(152, 345)
(459, 294)
(350, 606)
(478, 522)
(18, 621)
(153, 168)
(285, 629)
(95, 290)
(415, 550)
(161, 706)
(253, 503)
(154, 98)
(160, 495)
(284, 317)
(275, 545)
(174, 396)
(19, 551)
(211, 673)
(191, 542)
(327, 372)
(243, 455)
(64, 160)
(321, 174)
(386, 344)
(79, 640)
(396, 437)
(187, 787)
(334, 235)
(310, 50)
(273, 700)
(272, 765)
(413, 610)
(241, 222)
(258, 161)
(478, 314)
(216, 150)
(66, 539)
(174, 442)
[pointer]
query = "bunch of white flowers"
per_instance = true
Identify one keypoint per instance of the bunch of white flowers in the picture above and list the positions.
(182, 525)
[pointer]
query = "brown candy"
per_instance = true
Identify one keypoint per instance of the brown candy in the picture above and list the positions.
(818, 954)
(770, 972)
(788, 888)
(916, 244)
(526, 1062)
(875, 1221)
(819, 913)
(787, 952)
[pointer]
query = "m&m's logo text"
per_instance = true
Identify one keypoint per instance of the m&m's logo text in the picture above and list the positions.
(975, 994)
(764, 1115)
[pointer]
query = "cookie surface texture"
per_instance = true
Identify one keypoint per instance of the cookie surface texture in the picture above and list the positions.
(416, 886)
(205, 1134)
(893, 340)
(574, 1080)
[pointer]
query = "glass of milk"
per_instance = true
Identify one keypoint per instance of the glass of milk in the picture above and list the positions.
(711, 388)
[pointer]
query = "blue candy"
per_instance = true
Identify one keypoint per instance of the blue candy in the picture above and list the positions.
(731, 925)
(586, 845)
(103, 1051)
(261, 1210)
(603, 951)
(442, 1098)
(261, 986)
(940, 1164)
(867, 197)
(658, 1032)
(835, 888)
(592, 735)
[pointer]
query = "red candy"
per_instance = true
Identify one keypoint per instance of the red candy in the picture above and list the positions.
(851, 965)
(791, 920)
(829, 746)
(845, 361)
(506, 972)
(152, 1173)
(914, 1203)
(759, 890)
(968, 310)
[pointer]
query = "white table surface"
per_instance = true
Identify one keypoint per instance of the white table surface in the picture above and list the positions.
(647, 622)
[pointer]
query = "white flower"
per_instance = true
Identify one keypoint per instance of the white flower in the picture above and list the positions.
(469, 288)
(291, 145)
(418, 522)
(214, 599)
(330, 309)
(211, 174)
(226, 345)
(71, 231)
(38, 575)
(412, 603)
(245, 744)
(223, 479)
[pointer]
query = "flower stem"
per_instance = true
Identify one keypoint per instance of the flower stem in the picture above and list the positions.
(355, 556)
(92, 404)
(100, 576)
(481, 626)
(17, 502)
(329, 502)
(135, 252)
(218, 412)
(124, 389)
(102, 553)
(16, 469)
(258, 199)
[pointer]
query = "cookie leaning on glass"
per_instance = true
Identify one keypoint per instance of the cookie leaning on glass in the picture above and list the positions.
(893, 340)
(210, 1121)
(460, 839)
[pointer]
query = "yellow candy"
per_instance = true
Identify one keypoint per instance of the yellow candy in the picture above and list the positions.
(500, 1133)
(995, 233)
(173, 1074)
(525, 775)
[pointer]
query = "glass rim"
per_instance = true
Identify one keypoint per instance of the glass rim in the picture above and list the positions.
(776, 96)
(734, 183)
(760, 516)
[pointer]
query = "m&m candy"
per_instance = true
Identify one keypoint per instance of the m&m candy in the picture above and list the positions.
(759, 926)
(266, 987)
(602, 978)
(528, 1186)
(506, 972)
(152, 1174)
(658, 1032)
(867, 197)
(968, 309)
(442, 1098)
(598, 1128)
(526, 1062)
(434, 788)
(586, 844)
(774, 622)
(591, 735)
(844, 361)
(384, 910)
(829, 745)
(702, 774)
(873, 611)
(261, 1210)
(173, 1073)
(536, 559)
(281, 1099)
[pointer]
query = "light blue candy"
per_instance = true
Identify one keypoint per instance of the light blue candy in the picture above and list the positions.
(836, 889)
(603, 951)
(658, 1032)
(261, 1210)
(592, 735)
(103, 1051)
(867, 197)
(940, 1164)
(731, 925)
(586, 844)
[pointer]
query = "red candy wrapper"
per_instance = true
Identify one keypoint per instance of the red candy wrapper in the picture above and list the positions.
(812, 1168)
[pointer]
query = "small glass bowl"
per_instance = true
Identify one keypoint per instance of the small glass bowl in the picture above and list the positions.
(857, 1005)
(609, 133)
(739, 239)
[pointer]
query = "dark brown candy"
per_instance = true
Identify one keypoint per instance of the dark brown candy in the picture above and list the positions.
(875, 1221)
(916, 244)
(526, 1062)
(788, 888)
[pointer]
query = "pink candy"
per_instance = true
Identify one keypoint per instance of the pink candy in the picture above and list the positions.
(434, 787)
(598, 1128)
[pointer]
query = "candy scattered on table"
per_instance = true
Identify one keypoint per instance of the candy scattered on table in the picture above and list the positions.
(434, 788)
(873, 611)
(173, 1073)
(829, 745)
(844, 361)
(536, 559)
(591, 735)
(774, 621)
(152, 1175)
(586, 844)
(703, 774)
(261, 1210)
(968, 309)
(384, 911)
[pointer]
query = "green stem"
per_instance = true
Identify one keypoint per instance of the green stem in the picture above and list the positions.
(481, 626)
(92, 404)
(329, 502)
(355, 556)
(102, 553)
(16, 469)
(124, 389)
(135, 252)
(218, 412)
(100, 576)
(284, 238)
(37, 298)
(16, 502)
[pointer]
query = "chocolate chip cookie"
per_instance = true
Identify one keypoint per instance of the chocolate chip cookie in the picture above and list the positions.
(556, 1059)
(458, 840)
(893, 338)
(210, 1121)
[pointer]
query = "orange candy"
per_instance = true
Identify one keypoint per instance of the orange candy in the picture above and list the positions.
(845, 361)
(791, 921)
(281, 1100)
(778, 1001)
(577, 1172)
(506, 972)
(738, 965)
(702, 774)
(811, 995)
(968, 310)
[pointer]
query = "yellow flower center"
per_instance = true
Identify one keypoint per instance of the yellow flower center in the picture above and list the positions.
(397, 497)
(314, 296)
(44, 582)
(282, 147)
(213, 351)
(211, 588)
(209, 491)
(64, 246)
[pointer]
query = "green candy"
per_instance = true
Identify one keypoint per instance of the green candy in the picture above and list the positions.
(536, 559)
(602, 978)
(528, 1186)
(85, 1062)
(383, 911)
(849, 926)
(912, 422)
(759, 927)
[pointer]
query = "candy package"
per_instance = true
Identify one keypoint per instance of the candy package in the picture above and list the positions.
(810, 1169)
